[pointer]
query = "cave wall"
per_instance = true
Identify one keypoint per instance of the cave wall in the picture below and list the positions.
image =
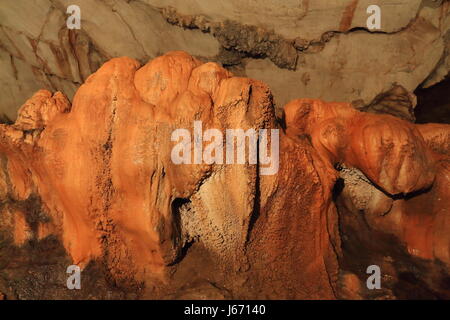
(370, 175)
(98, 176)
(314, 49)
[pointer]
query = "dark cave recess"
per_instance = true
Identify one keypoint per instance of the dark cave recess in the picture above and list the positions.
(433, 103)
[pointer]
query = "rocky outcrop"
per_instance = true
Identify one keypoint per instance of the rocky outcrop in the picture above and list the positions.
(391, 193)
(132, 207)
(99, 175)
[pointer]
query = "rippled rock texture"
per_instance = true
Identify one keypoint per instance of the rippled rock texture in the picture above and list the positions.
(93, 181)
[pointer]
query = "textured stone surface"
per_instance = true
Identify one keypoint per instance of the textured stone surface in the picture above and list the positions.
(314, 49)
(357, 66)
(86, 175)
(391, 195)
(304, 18)
(133, 208)
(97, 174)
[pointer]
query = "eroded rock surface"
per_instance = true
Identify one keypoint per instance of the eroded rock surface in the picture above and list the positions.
(102, 168)
(97, 174)
(392, 194)
(318, 49)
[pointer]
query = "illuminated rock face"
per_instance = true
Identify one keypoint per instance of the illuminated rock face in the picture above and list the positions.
(405, 164)
(102, 170)
(392, 194)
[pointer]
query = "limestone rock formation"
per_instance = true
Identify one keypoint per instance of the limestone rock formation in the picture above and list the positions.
(392, 195)
(98, 174)
(102, 168)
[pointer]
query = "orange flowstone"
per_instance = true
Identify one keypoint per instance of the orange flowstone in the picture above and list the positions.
(402, 159)
(103, 171)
